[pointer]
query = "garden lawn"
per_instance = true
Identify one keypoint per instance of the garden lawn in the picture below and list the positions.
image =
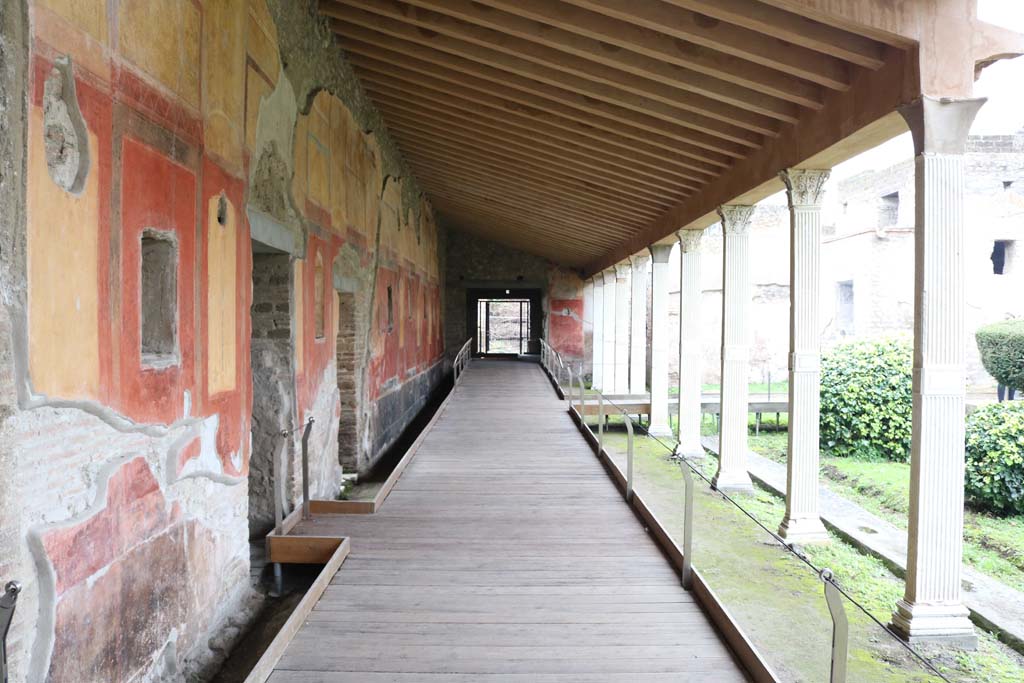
(992, 545)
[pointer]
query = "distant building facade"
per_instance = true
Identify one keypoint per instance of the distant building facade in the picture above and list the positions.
(868, 262)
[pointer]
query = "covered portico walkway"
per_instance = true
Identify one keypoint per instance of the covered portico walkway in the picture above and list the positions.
(505, 552)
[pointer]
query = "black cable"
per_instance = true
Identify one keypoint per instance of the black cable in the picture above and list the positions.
(788, 546)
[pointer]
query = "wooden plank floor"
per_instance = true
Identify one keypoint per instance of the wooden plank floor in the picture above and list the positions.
(504, 553)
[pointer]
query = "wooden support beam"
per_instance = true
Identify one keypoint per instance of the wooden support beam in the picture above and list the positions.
(792, 28)
(542, 90)
(527, 198)
(726, 39)
(665, 48)
(495, 97)
(617, 150)
(514, 17)
(558, 184)
(564, 70)
(397, 109)
(532, 158)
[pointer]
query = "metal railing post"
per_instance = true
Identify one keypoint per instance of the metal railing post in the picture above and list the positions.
(840, 627)
(583, 402)
(629, 456)
(687, 571)
(8, 601)
(305, 469)
(600, 422)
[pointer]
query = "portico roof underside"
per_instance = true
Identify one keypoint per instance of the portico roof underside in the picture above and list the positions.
(585, 130)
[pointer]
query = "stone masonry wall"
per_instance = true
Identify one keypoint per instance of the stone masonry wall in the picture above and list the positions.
(125, 476)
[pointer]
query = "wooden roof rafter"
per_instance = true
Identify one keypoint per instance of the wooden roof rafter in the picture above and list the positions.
(579, 128)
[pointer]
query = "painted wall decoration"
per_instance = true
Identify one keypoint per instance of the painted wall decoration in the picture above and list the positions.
(147, 124)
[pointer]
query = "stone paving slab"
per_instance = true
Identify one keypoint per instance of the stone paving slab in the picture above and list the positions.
(994, 606)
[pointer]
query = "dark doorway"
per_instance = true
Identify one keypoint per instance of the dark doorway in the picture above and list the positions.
(504, 321)
(503, 326)
(272, 381)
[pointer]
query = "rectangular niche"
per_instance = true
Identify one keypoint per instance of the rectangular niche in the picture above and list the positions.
(159, 298)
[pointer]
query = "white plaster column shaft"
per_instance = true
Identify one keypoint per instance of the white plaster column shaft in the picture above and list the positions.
(608, 322)
(622, 328)
(597, 338)
(732, 472)
(804, 191)
(638, 326)
(659, 340)
(932, 606)
(690, 355)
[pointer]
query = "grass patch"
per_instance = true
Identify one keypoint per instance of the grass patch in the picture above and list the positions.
(992, 545)
(778, 601)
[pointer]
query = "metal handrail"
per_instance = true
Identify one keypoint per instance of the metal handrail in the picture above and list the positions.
(8, 601)
(461, 361)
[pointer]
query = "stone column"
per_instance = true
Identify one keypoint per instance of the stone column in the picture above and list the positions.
(804, 190)
(597, 338)
(732, 436)
(608, 346)
(638, 327)
(690, 354)
(622, 328)
(659, 340)
(932, 607)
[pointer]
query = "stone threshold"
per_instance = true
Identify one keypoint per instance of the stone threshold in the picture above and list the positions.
(994, 606)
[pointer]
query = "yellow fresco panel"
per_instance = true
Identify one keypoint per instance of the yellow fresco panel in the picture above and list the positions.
(262, 48)
(88, 15)
(161, 37)
(63, 280)
(256, 88)
(224, 80)
(221, 298)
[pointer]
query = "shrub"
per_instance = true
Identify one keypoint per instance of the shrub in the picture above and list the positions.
(1002, 351)
(995, 458)
(866, 400)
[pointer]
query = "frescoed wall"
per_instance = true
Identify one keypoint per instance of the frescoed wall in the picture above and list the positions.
(160, 139)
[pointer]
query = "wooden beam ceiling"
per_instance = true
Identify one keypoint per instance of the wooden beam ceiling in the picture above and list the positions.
(576, 129)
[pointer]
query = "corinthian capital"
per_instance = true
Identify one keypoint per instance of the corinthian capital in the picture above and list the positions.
(735, 218)
(690, 240)
(804, 186)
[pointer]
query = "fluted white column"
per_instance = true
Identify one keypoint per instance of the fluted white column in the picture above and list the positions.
(608, 340)
(597, 338)
(804, 191)
(659, 340)
(932, 606)
(732, 472)
(638, 326)
(622, 328)
(690, 355)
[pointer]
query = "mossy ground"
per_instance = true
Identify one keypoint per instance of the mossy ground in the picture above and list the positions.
(778, 600)
(992, 545)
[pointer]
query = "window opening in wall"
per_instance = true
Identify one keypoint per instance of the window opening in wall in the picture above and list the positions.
(1002, 251)
(158, 298)
(318, 295)
(503, 326)
(889, 210)
(391, 310)
(844, 308)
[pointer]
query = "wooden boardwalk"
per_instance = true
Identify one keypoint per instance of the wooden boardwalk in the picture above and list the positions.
(505, 553)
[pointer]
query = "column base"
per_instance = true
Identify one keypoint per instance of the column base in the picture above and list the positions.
(660, 430)
(691, 450)
(733, 481)
(945, 624)
(803, 530)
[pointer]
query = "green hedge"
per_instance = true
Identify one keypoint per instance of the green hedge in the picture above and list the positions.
(995, 458)
(1002, 351)
(866, 399)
